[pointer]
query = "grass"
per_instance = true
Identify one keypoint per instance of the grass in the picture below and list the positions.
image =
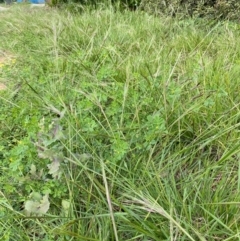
(127, 125)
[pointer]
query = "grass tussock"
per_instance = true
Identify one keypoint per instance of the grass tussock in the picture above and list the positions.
(118, 126)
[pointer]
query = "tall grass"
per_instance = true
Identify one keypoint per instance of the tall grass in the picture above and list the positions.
(147, 111)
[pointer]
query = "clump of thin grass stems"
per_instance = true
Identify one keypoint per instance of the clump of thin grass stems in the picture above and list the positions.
(151, 102)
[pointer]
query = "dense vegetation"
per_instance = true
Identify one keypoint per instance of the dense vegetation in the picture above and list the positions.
(213, 9)
(118, 126)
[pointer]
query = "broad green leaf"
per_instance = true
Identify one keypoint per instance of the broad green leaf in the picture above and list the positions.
(31, 207)
(54, 167)
(37, 207)
(44, 205)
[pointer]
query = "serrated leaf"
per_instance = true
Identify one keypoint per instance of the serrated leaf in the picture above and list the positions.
(34, 174)
(54, 167)
(57, 132)
(37, 207)
(44, 205)
(31, 207)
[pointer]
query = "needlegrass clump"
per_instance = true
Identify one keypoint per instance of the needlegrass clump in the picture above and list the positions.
(118, 126)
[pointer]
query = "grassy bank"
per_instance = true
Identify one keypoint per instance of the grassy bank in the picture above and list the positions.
(118, 126)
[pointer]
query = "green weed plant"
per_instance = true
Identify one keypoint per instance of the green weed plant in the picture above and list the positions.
(118, 126)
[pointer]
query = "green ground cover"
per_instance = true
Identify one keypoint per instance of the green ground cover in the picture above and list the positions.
(118, 126)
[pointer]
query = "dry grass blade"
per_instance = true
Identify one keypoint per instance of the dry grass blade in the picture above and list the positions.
(109, 201)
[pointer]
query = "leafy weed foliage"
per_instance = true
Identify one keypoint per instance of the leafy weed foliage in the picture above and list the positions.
(118, 126)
